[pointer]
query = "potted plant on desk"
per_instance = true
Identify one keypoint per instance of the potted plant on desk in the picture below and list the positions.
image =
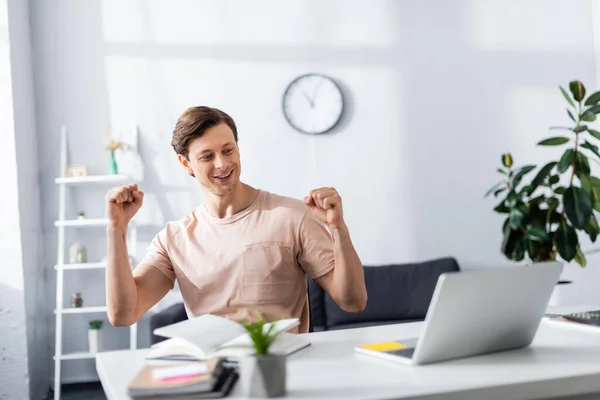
(262, 374)
(545, 214)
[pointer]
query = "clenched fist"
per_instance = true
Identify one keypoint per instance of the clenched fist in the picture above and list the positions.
(326, 204)
(122, 203)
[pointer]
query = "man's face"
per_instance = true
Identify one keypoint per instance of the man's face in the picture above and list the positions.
(214, 159)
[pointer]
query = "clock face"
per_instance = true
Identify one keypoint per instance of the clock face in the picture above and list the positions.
(313, 104)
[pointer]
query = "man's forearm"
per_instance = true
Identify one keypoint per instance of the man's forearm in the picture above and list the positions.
(121, 290)
(348, 280)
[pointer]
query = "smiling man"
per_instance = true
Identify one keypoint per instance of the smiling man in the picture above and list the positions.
(242, 251)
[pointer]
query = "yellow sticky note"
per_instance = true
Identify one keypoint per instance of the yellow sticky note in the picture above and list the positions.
(383, 346)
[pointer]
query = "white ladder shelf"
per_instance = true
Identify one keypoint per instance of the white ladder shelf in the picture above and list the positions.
(61, 224)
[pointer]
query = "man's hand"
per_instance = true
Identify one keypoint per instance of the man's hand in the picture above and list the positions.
(122, 203)
(326, 203)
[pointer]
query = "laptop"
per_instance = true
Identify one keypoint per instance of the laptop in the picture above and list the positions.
(477, 312)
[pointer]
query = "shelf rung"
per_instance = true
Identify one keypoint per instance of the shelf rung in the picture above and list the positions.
(76, 356)
(81, 310)
(110, 179)
(65, 267)
(83, 222)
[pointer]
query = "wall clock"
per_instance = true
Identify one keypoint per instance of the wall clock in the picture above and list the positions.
(313, 104)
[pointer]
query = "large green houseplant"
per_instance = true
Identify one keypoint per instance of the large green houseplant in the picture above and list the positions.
(544, 214)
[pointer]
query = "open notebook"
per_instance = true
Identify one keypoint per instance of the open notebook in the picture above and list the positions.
(209, 336)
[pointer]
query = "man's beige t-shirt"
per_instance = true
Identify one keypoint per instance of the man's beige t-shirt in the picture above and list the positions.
(252, 262)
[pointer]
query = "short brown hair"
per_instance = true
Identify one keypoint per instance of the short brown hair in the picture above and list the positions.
(194, 122)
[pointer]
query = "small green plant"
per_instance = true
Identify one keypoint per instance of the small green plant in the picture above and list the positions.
(96, 324)
(261, 336)
(545, 214)
(82, 214)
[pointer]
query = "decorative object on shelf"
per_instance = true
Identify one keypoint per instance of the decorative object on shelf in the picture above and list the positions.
(112, 146)
(545, 214)
(77, 170)
(313, 104)
(76, 300)
(262, 374)
(126, 156)
(77, 253)
(94, 336)
(81, 215)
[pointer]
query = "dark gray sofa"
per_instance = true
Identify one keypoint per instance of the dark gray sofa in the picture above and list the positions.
(398, 293)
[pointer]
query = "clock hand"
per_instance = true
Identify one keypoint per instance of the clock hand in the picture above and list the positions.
(309, 99)
(316, 89)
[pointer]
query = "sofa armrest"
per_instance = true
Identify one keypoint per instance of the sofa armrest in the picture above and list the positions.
(168, 316)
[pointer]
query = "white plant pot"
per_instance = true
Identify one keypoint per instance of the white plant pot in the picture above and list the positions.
(564, 294)
(94, 340)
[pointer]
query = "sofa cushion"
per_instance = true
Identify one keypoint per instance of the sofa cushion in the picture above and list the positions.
(395, 292)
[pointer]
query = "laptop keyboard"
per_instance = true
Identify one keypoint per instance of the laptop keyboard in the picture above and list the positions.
(408, 352)
(586, 317)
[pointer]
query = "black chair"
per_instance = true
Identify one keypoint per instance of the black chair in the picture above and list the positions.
(397, 293)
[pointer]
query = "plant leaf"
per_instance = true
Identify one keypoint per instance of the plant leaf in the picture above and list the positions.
(594, 109)
(520, 173)
(595, 189)
(503, 172)
(543, 173)
(578, 90)
(580, 128)
(582, 163)
(593, 148)
(554, 141)
(494, 188)
(592, 228)
(516, 217)
(537, 233)
(580, 258)
(567, 97)
(578, 206)
(593, 99)
(594, 133)
(560, 190)
(507, 160)
(497, 192)
(566, 160)
(566, 241)
(588, 116)
(513, 246)
(512, 199)
(571, 115)
(501, 208)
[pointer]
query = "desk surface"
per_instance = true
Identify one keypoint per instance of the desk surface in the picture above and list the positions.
(564, 360)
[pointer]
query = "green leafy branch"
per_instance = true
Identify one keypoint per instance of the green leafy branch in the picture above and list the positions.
(543, 215)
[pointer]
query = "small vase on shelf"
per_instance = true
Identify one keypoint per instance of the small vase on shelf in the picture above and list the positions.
(112, 146)
(94, 336)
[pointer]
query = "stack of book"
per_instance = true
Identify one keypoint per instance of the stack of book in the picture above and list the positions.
(180, 380)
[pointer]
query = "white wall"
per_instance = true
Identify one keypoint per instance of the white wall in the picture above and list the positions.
(26, 143)
(436, 91)
(14, 381)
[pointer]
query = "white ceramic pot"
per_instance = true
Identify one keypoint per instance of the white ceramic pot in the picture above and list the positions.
(94, 340)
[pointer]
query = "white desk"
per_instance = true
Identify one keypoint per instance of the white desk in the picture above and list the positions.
(563, 361)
